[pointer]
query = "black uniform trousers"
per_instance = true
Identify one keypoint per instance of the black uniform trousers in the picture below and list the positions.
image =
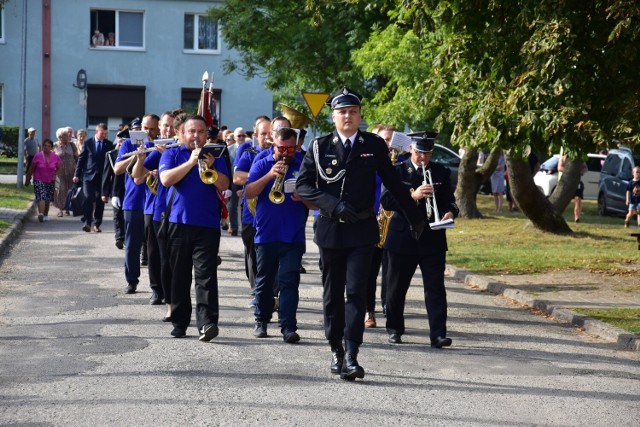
(165, 268)
(193, 247)
(345, 269)
(250, 264)
(153, 256)
(400, 270)
(376, 261)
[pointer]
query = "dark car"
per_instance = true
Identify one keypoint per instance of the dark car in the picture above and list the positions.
(614, 178)
(447, 158)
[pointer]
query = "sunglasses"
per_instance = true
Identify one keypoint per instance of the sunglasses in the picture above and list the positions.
(289, 150)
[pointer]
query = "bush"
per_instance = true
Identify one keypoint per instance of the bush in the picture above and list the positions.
(9, 142)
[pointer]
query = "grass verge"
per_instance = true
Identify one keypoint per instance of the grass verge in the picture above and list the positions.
(624, 318)
(15, 198)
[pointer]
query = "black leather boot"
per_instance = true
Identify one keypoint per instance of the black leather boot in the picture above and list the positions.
(350, 367)
(337, 355)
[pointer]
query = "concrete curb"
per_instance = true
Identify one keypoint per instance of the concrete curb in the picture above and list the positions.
(623, 339)
(15, 229)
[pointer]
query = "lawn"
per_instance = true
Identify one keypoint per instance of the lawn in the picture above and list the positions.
(13, 197)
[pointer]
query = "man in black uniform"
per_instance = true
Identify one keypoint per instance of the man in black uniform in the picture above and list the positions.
(404, 254)
(338, 175)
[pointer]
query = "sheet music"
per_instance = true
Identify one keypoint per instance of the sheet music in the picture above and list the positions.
(440, 225)
(138, 137)
(400, 141)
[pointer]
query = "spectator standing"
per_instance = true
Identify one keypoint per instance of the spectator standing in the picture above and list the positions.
(43, 169)
(81, 135)
(633, 197)
(497, 183)
(31, 147)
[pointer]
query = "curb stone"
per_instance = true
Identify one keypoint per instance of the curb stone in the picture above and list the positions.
(15, 229)
(623, 339)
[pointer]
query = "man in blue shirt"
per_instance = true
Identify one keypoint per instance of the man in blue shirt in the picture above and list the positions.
(279, 240)
(193, 236)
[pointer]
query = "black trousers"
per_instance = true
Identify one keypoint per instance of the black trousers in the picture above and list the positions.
(118, 223)
(153, 256)
(165, 267)
(250, 264)
(193, 247)
(345, 270)
(377, 260)
(401, 268)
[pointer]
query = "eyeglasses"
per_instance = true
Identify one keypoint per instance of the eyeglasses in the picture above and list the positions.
(282, 149)
(242, 135)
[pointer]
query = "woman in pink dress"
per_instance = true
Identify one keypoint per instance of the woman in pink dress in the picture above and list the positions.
(43, 169)
(68, 153)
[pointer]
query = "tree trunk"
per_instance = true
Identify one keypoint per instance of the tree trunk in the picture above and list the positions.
(471, 178)
(533, 203)
(566, 188)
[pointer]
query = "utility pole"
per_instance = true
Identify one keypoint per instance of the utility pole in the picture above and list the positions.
(23, 90)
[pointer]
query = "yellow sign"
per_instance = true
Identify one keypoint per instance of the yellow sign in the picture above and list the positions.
(315, 101)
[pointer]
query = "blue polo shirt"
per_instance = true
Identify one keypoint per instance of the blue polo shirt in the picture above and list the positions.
(152, 162)
(244, 165)
(277, 223)
(241, 149)
(134, 195)
(195, 202)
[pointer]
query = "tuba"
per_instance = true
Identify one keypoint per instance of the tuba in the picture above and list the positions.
(384, 216)
(297, 119)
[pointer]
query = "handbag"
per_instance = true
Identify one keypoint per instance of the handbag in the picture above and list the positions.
(76, 200)
(163, 231)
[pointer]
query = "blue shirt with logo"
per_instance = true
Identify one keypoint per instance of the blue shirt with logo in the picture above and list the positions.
(195, 202)
(244, 165)
(134, 195)
(152, 162)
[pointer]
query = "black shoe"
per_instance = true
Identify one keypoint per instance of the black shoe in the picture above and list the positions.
(395, 339)
(260, 330)
(290, 337)
(441, 342)
(219, 260)
(155, 299)
(302, 270)
(350, 367)
(144, 262)
(208, 332)
(234, 232)
(166, 319)
(179, 332)
(337, 357)
(119, 243)
(86, 228)
(131, 288)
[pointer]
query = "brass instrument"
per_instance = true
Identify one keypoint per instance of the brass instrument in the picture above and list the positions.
(207, 175)
(276, 195)
(152, 183)
(297, 119)
(157, 143)
(427, 200)
(431, 200)
(384, 216)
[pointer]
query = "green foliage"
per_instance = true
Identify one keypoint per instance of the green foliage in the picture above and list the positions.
(10, 139)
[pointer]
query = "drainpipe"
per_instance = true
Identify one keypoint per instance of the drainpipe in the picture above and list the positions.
(46, 69)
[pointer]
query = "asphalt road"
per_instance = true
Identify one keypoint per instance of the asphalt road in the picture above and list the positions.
(75, 350)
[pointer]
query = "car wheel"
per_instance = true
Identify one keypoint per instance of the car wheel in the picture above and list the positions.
(602, 205)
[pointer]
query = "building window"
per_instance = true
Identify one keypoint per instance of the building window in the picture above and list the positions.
(200, 34)
(116, 28)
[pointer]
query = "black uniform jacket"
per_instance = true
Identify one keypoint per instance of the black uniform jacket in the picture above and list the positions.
(369, 155)
(399, 236)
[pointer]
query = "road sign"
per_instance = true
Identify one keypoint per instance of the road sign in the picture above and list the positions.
(315, 101)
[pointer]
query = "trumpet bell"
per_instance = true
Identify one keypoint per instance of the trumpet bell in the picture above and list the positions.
(276, 197)
(152, 183)
(207, 175)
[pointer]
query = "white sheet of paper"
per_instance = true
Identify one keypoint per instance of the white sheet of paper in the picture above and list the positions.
(439, 225)
(138, 137)
(400, 141)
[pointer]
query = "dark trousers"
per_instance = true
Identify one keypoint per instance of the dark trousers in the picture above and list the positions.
(401, 268)
(250, 264)
(133, 236)
(282, 261)
(232, 207)
(193, 247)
(153, 256)
(345, 270)
(376, 262)
(118, 223)
(91, 190)
(165, 268)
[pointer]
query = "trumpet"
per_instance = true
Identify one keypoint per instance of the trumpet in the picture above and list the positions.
(167, 143)
(276, 195)
(207, 175)
(430, 201)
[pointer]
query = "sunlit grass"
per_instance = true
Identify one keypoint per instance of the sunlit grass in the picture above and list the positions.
(624, 318)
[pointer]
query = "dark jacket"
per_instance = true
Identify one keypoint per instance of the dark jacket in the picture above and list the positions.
(112, 184)
(369, 155)
(399, 235)
(91, 164)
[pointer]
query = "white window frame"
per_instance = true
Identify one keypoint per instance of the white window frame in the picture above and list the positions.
(1, 104)
(195, 49)
(117, 30)
(2, 26)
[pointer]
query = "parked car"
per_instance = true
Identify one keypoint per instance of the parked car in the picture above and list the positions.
(615, 176)
(448, 158)
(547, 178)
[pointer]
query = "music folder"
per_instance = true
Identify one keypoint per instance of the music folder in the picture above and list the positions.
(439, 225)
(214, 149)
